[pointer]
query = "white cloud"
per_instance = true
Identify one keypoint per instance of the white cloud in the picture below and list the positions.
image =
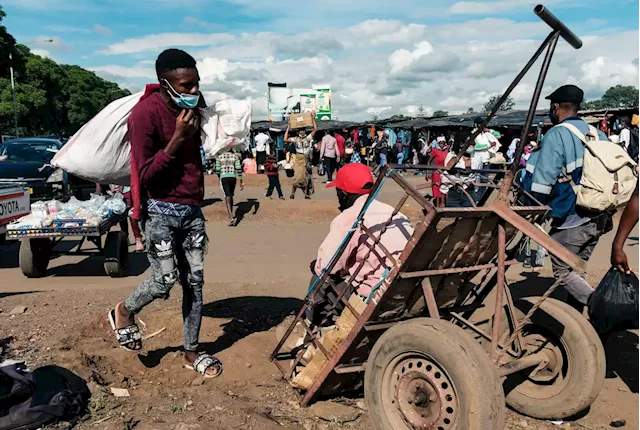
(43, 53)
(52, 43)
(190, 22)
(387, 67)
(160, 41)
(97, 28)
(402, 58)
(101, 29)
(488, 7)
(125, 72)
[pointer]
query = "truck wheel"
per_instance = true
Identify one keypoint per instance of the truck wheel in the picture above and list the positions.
(116, 254)
(34, 257)
(428, 373)
(574, 376)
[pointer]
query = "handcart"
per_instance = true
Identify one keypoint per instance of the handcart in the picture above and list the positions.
(37, 245)
(442, 343)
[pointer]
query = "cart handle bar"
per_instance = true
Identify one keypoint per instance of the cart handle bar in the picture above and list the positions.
(553, 22)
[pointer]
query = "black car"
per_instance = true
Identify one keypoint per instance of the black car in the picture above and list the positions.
(28, 160)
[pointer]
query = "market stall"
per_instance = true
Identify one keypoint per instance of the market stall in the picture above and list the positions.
(52, 222)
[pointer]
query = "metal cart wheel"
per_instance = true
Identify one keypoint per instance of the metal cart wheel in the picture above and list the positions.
(571, 380)
(431, 374)
(116, 254)
(34, 256)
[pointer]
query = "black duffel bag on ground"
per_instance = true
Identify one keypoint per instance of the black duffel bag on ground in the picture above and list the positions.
(30, 400)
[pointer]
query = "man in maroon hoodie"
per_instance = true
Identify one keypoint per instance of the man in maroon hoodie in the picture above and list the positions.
(167, 169)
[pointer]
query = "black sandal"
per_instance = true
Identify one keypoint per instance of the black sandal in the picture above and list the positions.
(203, 363)
(129, 337)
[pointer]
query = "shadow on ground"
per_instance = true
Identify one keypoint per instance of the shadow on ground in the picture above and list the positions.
(94, 266)
(621, 349)
(209, 202)
(535, 284)
(16, 293)
(249, 315)
(244, 208)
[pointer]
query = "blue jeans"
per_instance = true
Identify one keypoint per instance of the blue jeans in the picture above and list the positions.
(458, 199)
(383, 162)
(484, 178)
(176, 245)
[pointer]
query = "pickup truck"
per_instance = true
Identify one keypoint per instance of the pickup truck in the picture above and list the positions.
(14, 204)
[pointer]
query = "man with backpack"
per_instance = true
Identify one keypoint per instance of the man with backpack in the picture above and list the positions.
(579, 218)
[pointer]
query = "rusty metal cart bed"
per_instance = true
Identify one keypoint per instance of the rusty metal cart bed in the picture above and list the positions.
(442, 344)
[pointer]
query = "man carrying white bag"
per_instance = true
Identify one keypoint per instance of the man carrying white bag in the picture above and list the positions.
(101, 152)
(162, 137)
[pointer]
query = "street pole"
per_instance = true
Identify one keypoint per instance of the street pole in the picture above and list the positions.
(13, 94)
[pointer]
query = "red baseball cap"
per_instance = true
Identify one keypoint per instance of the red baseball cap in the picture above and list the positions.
(355, 178)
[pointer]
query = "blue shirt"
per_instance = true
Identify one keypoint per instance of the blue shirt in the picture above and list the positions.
(560, 150)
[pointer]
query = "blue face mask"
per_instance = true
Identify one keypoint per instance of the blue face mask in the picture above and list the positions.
(553, 117)
(184, 101)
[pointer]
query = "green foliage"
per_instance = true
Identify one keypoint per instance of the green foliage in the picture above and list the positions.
(507, 105)
(399, 116)
(620, 96)
(421, 112)
(440, 114)
(50, 97)
(471, 110)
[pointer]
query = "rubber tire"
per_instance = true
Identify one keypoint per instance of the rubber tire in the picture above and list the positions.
(116, 254)
(588, 362)
(479, 390)
(34, 257)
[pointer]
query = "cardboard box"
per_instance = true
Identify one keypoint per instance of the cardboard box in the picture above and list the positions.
(301, 120)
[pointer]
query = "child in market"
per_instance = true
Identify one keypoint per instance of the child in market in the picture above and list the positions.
(271, 168)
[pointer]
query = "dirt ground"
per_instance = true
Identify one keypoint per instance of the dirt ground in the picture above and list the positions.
(256, 274)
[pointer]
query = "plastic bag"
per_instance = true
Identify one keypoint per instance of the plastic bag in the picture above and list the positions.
(100, 151)
(321, 169)
(614, 304)
(224, 126)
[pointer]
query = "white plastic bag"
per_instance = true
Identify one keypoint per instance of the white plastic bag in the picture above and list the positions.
(100, 150)
(235, 117)
(225, 125)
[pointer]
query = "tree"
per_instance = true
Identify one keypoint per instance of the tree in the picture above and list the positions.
(8, 48)
(50, 98)
(399, 116)
(471, 110)
(375, 117)
(490, 104)
(421, 112)
(440, 114)
(620, 96)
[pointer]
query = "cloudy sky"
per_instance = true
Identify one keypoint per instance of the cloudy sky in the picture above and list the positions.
(380, 57)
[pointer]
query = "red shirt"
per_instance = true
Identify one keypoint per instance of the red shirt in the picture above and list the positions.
(340, 143)
(174, 179)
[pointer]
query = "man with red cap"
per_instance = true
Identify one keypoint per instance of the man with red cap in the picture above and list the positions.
(353, 184)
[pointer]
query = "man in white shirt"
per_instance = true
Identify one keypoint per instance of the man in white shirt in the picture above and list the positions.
(261, 141)
(625, 135)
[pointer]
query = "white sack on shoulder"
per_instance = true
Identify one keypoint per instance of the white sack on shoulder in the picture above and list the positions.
(100, 151)
(234, 117)
(225, 125)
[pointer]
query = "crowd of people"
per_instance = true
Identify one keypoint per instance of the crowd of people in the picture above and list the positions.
(165, 150)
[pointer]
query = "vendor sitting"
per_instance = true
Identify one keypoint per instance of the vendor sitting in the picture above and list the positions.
(353, 184)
